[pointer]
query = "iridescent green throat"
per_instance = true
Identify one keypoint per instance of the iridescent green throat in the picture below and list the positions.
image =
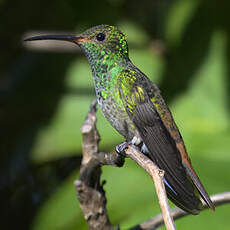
(106, 66)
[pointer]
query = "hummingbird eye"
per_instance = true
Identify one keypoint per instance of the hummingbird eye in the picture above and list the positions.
(100, 37)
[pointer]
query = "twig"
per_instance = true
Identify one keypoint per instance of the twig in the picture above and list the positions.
(91, 194)
(176, 213)
(157, 176)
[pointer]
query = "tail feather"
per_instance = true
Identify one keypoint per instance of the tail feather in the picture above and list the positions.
(196, 181)
(182, 194)
(188, 206)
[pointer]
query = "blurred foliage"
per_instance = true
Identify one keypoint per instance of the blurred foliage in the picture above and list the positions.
(181, 45)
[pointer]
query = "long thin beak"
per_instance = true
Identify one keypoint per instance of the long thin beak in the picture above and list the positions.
(68, 38)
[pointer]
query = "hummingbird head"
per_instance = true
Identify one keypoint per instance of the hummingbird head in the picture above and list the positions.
(104, 40)
(96, 42)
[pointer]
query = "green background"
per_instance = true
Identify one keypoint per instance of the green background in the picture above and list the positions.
(182, 45)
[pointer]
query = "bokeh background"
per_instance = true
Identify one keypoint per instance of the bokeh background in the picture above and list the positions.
(46, 90)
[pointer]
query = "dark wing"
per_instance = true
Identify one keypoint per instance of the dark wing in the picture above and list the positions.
(161, 147)
(171, 127)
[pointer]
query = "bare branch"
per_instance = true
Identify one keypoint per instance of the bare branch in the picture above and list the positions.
(176, 213)
(91, 194)
(157, 176)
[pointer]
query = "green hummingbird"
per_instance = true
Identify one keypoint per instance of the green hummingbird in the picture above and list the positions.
(133, 105)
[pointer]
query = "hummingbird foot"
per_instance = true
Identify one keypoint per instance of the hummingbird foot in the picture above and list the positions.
(120, 149)
(136, 141)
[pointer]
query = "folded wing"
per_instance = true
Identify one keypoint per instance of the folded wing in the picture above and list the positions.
(161, 148)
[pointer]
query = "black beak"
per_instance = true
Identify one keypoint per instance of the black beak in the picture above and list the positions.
(68, 38)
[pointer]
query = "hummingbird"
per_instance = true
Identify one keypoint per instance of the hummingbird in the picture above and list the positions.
(133, 105)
